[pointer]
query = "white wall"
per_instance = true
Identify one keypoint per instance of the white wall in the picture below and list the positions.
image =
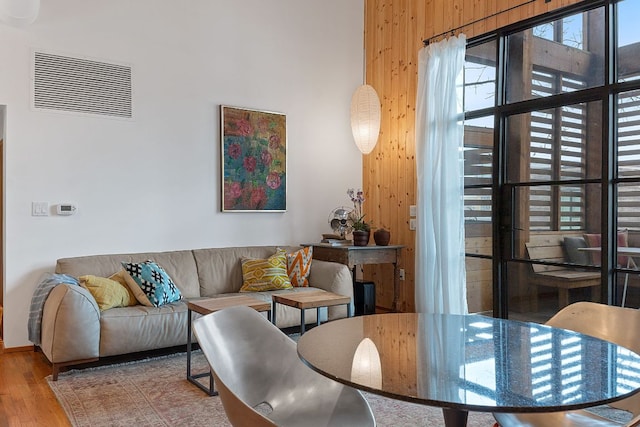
(153, 183)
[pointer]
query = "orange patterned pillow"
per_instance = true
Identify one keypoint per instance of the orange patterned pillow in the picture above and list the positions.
(299, 266)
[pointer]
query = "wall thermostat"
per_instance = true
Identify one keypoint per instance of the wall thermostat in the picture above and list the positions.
(66, 209)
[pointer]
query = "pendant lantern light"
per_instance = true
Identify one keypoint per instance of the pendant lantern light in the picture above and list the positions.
(365, 118)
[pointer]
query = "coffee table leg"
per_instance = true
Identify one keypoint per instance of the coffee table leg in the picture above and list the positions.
(188, 343)
(273, 313)
(318, 316)
(194, 378)
(301, 321)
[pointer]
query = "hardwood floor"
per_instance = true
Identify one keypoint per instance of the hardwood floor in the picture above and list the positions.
(25, 396)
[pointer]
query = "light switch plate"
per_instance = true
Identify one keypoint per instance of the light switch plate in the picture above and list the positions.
(412, 210)
(39, 208)
(412, 224)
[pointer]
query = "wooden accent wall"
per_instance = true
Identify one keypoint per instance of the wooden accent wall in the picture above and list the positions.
(394, 31)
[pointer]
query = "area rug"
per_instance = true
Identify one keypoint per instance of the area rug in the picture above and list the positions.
(155, 392)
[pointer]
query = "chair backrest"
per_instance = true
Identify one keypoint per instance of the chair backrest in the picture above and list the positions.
(611, 323)
(256, 365)
(238, 412)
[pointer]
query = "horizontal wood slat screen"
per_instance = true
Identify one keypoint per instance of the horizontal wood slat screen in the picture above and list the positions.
(394, 31)
(628, 194)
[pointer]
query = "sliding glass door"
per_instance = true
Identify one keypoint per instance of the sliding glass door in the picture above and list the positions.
(552, 152)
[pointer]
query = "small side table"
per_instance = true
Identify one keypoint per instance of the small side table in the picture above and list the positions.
(210, 305)
(311, 299)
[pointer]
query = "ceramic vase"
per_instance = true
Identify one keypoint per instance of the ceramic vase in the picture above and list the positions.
(382, 237)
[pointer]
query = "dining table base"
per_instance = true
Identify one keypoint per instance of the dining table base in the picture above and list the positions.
(455, 417)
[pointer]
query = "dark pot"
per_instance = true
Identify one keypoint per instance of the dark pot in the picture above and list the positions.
(360, 238)
(382, 237)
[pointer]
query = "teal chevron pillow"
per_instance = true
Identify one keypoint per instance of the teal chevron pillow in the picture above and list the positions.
(156, 285)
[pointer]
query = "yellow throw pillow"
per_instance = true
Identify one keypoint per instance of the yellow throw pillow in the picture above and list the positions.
(108, 293)
(265, 274)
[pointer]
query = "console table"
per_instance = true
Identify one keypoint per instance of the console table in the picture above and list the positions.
(352, 256)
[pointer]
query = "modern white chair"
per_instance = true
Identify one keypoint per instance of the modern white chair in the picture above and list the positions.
(615, 324)
(261, 380)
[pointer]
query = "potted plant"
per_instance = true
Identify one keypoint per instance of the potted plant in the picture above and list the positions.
(361, 228)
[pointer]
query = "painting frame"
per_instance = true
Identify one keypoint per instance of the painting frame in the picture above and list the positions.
(253, 153)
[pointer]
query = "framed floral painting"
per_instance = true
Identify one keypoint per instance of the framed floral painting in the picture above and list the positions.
(254, 160)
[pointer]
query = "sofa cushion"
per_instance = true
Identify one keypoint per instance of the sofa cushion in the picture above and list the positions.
(180, 265)
(220, 269)
(299, 266)
(574, 255)
(157, 287)
(131, 329)
(265, 274)
(108, 293)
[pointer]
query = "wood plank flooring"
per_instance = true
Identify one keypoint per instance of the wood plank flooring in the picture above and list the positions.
(25, 396)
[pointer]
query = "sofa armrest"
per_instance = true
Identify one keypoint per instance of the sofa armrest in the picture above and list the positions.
(70, 326)
(332, 277)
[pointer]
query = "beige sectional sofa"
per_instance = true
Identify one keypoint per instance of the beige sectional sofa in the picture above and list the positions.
(74, 330)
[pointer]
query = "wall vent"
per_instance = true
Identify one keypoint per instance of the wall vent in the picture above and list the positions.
(63, 83)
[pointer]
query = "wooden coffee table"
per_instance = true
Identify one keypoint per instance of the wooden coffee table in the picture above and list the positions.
(210, 305)
(310, 299)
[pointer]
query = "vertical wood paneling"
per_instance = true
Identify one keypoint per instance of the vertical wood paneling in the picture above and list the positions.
(504, 18)
(479, 10)
(489, 24)
(468, 9)
(394, 30)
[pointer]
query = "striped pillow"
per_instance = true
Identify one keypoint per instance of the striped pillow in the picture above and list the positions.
(265, 274)
(299, 266)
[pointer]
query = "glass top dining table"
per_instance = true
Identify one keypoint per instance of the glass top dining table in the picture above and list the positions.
(471, 363)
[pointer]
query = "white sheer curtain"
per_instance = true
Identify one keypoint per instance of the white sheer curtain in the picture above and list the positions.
(440, 265)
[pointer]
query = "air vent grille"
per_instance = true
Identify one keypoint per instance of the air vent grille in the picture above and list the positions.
(77, 85)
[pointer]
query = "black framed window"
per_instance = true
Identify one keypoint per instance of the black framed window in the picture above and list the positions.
(552, 152)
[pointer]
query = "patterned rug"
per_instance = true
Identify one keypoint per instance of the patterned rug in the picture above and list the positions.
(155, 392)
